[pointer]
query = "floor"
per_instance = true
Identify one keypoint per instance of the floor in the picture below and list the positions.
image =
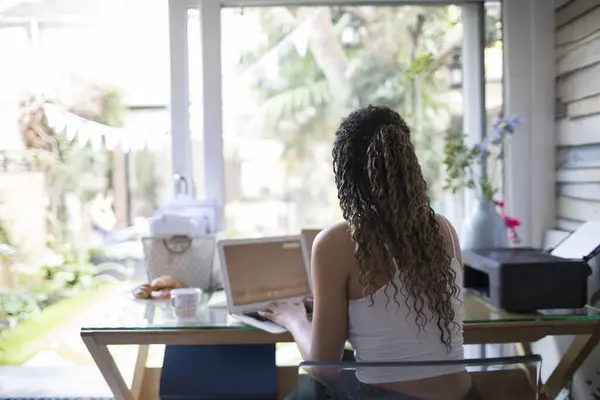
(47, 375)
(63, 381)
(65, 368)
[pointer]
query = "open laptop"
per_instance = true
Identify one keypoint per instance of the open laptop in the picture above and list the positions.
(308, 238)
(257, 272)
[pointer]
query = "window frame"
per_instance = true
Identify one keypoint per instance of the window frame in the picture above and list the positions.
(210, 32)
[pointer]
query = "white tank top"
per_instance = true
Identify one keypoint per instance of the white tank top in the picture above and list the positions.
(378, 333)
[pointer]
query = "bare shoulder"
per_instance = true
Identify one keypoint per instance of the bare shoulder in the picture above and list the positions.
(333, 246)
(450, 236)
(443, 222)
(336, 233)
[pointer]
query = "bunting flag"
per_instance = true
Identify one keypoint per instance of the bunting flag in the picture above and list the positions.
(83, 131)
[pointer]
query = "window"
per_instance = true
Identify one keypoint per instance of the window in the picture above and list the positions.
(291, 73)
(255, 146)
(13, 42)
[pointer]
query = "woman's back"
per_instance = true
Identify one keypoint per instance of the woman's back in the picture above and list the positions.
(385, 331)
(382, 330)
(388, 278)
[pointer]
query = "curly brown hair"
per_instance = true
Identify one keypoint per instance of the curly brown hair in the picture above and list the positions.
(383, 197)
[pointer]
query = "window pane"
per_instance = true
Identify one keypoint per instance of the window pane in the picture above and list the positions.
(84, 93)
(291, 73)
(15, 52)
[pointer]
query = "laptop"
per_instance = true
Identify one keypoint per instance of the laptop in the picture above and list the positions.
(257, 272)
(308, 238)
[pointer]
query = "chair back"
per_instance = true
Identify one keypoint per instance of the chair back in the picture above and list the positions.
(493, 378)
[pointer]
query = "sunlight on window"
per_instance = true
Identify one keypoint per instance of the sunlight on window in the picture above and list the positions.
(290, 76)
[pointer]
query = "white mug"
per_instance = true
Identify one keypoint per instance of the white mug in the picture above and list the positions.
(185, 303)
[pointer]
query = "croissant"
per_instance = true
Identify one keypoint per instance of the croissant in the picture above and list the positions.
(167, 282)
(142, 292)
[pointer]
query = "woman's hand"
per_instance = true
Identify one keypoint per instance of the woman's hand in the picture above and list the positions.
(285, 314)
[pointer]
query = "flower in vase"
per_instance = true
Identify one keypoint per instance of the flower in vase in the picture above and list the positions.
(511, 223)
(464, 163)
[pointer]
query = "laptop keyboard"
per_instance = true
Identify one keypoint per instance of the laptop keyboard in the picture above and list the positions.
(256, 316)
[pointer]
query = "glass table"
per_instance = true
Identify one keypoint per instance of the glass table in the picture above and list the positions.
(140, 315)
(143, 322)
(500, 378)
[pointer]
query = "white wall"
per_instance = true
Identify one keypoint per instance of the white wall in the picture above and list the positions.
(529, 93)
(578, 148)
(529, 29)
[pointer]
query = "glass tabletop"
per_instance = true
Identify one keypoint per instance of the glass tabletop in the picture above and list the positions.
(126, 313)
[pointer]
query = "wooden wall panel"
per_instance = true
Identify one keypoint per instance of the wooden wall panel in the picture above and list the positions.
(579, 131)
(580, 84)
(579, 28)
(578, 122)
(578, 175)
(573, 10)
(563, 50)
(577, 209)
(578, 146)
(583, 107)
(584, 191)
(578, 157)
(584, 56)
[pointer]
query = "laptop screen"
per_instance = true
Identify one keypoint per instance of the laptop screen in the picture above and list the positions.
(265, 271)
(309, 235)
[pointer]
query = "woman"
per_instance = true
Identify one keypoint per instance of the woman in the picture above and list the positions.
(389, 278)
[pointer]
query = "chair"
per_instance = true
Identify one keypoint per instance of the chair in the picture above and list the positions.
(515, 378)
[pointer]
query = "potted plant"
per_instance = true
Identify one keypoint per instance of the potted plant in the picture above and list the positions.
(486, 228)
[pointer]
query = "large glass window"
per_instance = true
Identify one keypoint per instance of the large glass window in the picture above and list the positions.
(85, 158)
(291, 73)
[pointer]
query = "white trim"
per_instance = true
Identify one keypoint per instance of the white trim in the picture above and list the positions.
(272, 3)
(210, 31)
(212, 110)
(473, 50)
(530, 93)
(179, 93)
(474, 111)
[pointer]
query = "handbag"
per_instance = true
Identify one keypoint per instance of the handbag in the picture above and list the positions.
(192, 260)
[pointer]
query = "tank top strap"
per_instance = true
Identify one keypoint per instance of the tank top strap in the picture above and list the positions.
(451, 233)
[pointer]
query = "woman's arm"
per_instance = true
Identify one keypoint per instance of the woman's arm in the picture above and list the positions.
(325, 341)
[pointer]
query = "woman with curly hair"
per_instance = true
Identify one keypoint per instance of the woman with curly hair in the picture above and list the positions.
(388, 279)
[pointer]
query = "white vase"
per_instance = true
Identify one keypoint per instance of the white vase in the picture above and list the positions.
(485, 228)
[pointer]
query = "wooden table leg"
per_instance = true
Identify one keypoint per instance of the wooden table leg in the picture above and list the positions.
(140, 370)
(524, 349)
(107, 366)
(575, 355)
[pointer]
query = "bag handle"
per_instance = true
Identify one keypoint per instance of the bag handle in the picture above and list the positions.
(177, 244)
